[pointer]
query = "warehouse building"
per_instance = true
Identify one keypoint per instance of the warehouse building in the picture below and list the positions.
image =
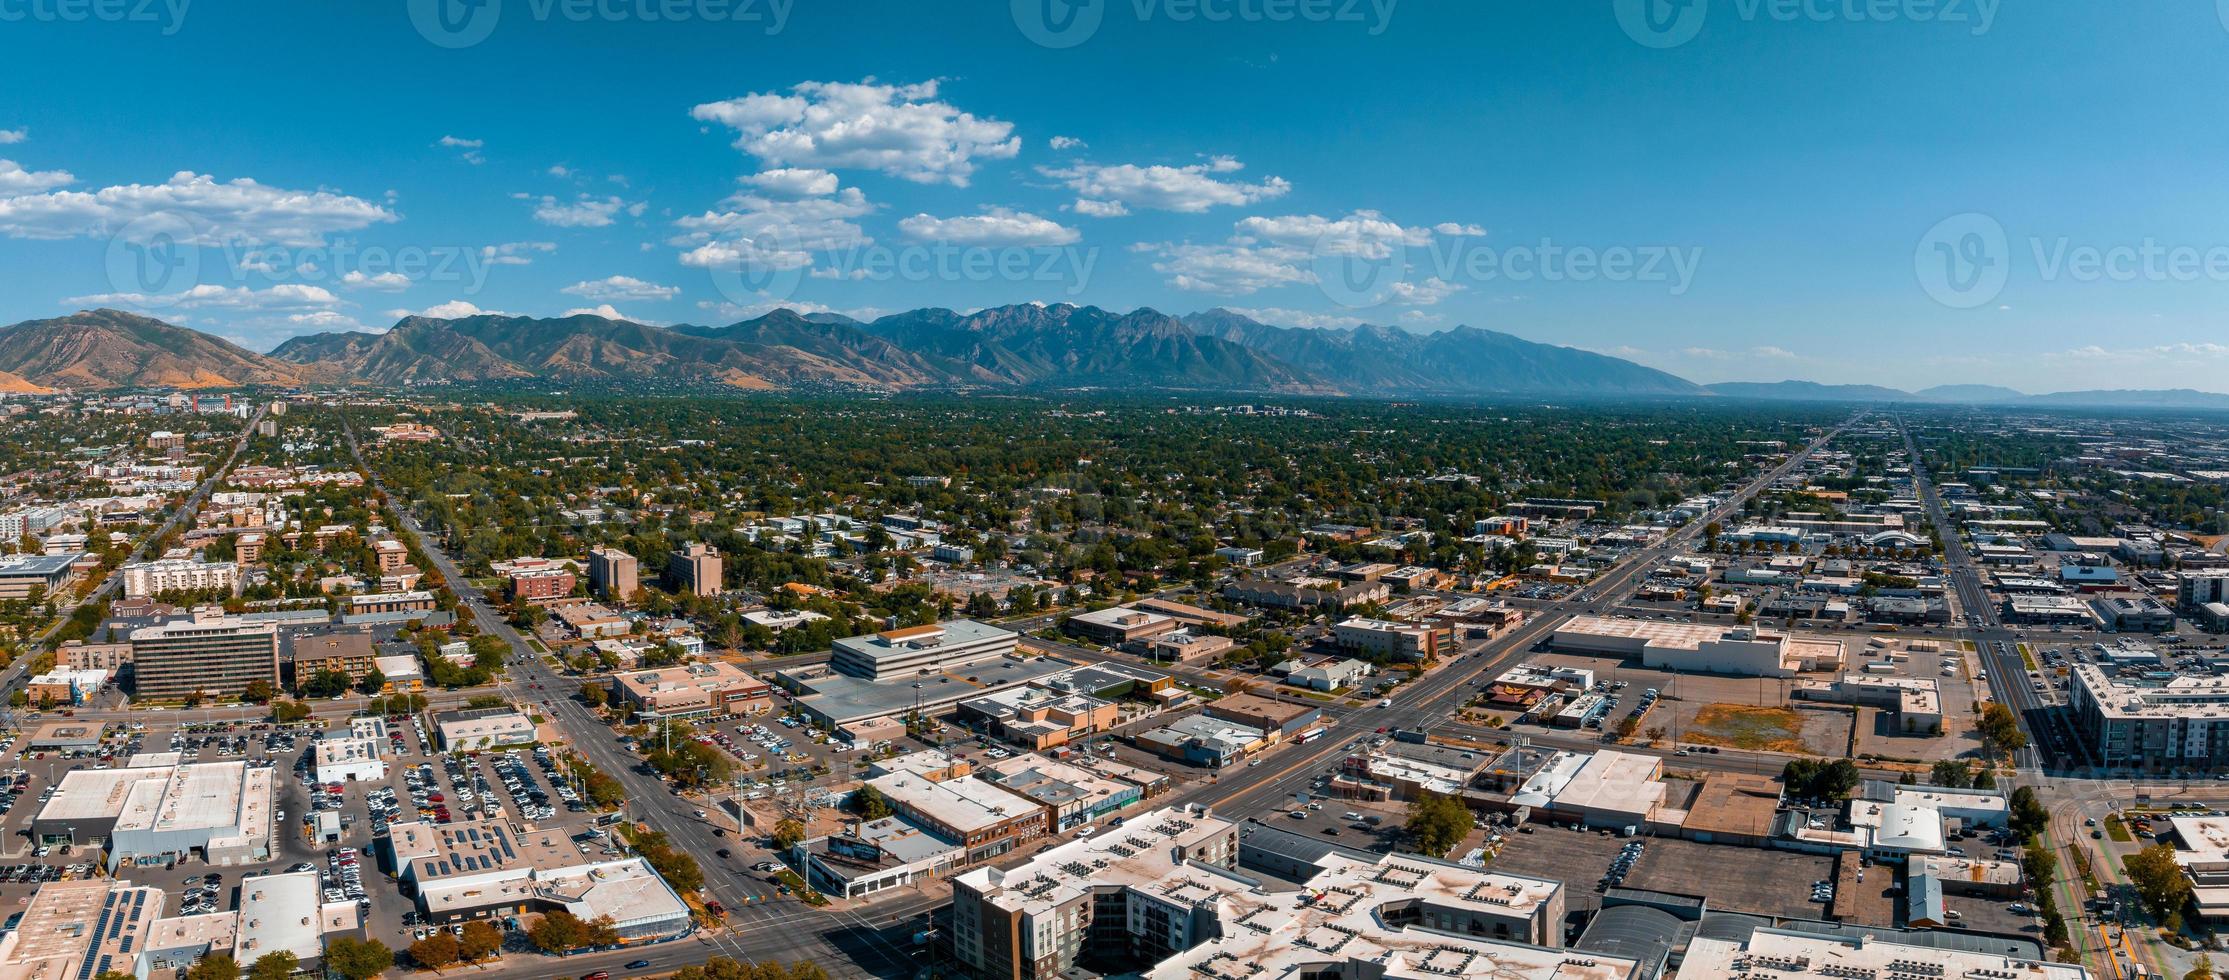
(221, 811)
(1742, 651)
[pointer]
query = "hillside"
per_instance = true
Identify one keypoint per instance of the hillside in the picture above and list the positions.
(1463, 361)
(113, 349)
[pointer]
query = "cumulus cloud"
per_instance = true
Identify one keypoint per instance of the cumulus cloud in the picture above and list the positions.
(995, 226)
(1187, 190)
(16, 180)
(903, 131)
(1068, 143)
(1099, 209)
(620, 288)
(8, 136)
(191, 207)
(1235, 269)
(285, 296)
(585, 211)
(385, 281)
(515, 253)
(607, 312)
(1454, 230)
(1363, 234)
(754, 231)
(794, 182)
(452, 310)
(1281, 317)
(1426, 293)
(324, 320)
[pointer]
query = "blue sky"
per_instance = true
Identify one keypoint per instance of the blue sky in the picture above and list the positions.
(1887, 192)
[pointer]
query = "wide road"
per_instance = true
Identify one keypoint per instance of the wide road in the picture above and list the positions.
(761, 925)
(13, 677)
(876, 941)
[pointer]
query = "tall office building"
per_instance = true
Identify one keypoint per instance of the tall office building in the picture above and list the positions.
(694, 569)
(211, 653)
(612, 574)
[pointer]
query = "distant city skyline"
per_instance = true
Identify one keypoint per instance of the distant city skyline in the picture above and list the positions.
(1904, 194)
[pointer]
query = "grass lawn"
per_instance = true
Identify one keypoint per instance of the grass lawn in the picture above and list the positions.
(2117, 830)
(1741, 726)
(2026, 657)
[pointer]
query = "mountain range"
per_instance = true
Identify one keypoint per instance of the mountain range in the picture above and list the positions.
(1009, 347)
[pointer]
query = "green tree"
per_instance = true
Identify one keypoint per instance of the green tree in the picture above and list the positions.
(1437, 823)
(870, 803)
(2203, 970)
(2028, 817)
(558, 931)
(2000, 729)
(788, 834)
(481, 940)
(215, 966)
(278, 964)
(2160, 883)
(358, 959)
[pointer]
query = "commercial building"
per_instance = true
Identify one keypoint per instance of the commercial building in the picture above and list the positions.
(1037, 719)
(694, 569)
(2048, 610)
(211, 653)
(1118, 625)
(65, 686)
(1071, 795)
(485, 869)
(479, 729)
(876, 856)
(908, 652)
(145, 580)
(2139, 614)
(693, 691)
(221, 811)
(613, 575)
(2143, 721)
(1276, 720)
(46, 575)
(981, 818)
(1787, 954)
(388, 606)
(2197, 588)
(348, 758)
(1402, 641)
(1203, 741)
(1162, 898)
(1917, 701)
(1742, 651)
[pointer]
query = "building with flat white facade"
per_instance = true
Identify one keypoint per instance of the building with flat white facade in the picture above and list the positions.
(1780, 954)
(906, 652)
(144, 580)
(156, 814)
(1742, 651)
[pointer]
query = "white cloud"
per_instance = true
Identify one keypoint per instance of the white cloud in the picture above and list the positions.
(764, 304)
(9, 136)
(1363, 234)
(1233, 269)
(1454, 230)
(995, 226)
(903, 131)
(193, 207)
(1187, 190)
(515, 253)
(586, 211)
(326, 320)
(385, 281)
(471, 148)
(1426, 293)
(1100, 209)
(285, 296)
(16, 180)
(605, 310)
(452, 310)
(620, 288)
(794, 182)
(1068, 143)
(560, 171)
(758, 232)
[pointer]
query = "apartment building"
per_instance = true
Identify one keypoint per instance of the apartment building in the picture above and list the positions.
(694, 569)
(211, 653)
(144, 580)
(2143, 722)
(613, 575)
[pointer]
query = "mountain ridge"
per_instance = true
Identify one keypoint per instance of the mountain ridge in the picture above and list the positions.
(1010, 347)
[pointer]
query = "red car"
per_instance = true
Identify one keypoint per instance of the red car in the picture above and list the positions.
(598, 975)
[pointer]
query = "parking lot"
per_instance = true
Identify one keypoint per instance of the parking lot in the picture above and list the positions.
(1738, 879)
